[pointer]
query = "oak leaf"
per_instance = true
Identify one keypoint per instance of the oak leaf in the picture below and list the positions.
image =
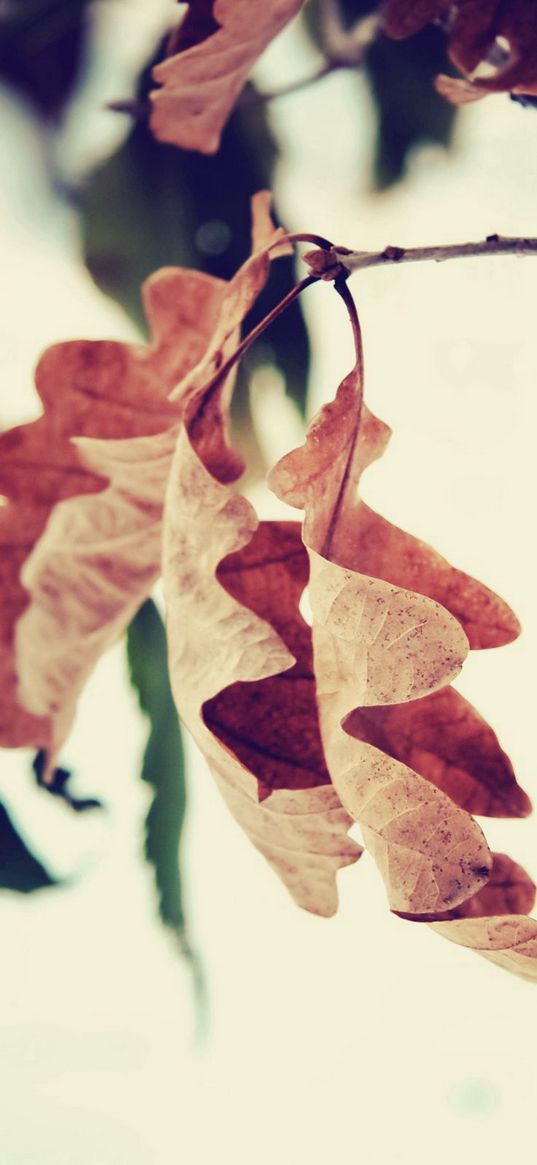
(509, 890)
(305, 729)
(376, 646)
(88, 571)
(510, 941)
(444, 738)
(103, 392)
(223, 653)
(211, 59)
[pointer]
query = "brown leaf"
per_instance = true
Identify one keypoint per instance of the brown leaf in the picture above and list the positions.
(100, 554)
(375, 643)
(510, 941)
(509, 890)
(440, 736)
(402, 18)
(272, 726)
(223, 654)
(443, 738)
(501, 34)
(202, 81)
(103, 391)
(325, 475)
(457, 90)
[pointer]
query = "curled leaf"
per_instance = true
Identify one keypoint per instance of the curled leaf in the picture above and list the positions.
(444, 738)
(377, 644)
(88, 558)
(404, 18)
(102, 452)
(222, 648)
(492, 42)
(510, 941)
(509, 890)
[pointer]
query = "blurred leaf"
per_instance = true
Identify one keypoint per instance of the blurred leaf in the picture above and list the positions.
(19, 869)
(163, 761)
(152, 205)
(410, 111)
(57, 785)
(41, 43)
(401, 74)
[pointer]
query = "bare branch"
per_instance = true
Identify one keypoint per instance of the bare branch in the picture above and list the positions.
(352, 261)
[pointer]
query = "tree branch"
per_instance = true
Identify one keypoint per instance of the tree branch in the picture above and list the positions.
(351, 261)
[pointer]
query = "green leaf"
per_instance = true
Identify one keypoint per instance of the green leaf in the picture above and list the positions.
(152, 205)
(409, 111)
(163, 760)
(19, 869)
(163, 768)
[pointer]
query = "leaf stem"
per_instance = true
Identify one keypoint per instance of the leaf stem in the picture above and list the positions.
(340, 285)
(216, 380)
(306, 237)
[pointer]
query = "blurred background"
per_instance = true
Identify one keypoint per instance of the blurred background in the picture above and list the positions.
(153, 1011)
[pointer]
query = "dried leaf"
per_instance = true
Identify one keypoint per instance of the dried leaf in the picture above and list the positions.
(201, 82)
(364, 541)
(375, 643)
(499, 34)
(91, 568)
(443, 738)
(100, 553)
(457, 90)
(509, 890)
(404, 18)
(510, 941)
(221, 653)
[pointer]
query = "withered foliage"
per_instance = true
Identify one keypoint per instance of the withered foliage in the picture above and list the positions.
(307, 729)
(210, 55)
(492, 42)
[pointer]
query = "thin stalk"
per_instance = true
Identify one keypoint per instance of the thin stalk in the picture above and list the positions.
(340, 285)
(216, 380)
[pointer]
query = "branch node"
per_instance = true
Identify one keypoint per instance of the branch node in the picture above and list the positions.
(393, 254)
(326, 264)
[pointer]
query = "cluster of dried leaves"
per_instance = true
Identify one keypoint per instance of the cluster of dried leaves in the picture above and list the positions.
(212, 52)
(307, 729)
(492, 42)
